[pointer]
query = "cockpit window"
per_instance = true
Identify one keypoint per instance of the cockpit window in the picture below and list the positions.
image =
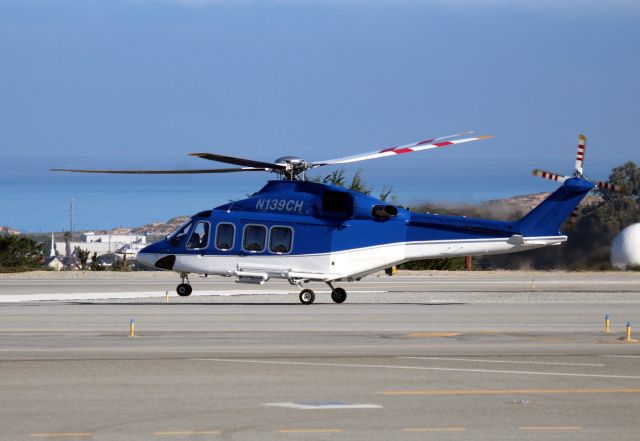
(175, 237)
(199, 238)
(224, 236)
(280, 240)
(255, 238)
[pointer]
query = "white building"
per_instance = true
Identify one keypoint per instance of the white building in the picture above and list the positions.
(107, 243)
(91, 237)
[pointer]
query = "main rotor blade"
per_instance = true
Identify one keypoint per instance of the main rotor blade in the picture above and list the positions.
(550, 176)
(611, 187)
(239, 161)
(582, 144)
(408, 148)
(161, 172)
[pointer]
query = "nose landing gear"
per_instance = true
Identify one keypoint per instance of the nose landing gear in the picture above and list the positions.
(307, 296)
(184, 289)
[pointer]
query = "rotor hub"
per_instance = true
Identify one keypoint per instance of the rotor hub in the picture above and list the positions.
(293, 167)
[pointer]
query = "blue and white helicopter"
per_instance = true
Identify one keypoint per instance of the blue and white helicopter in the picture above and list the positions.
(305, 232)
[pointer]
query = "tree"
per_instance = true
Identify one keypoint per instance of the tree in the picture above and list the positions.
(385, 194)
(336, 177)
(82, 255)
(95, 266)
(118, 264)
(339, 178)
(358, 184)
(67, 244)
(18, 252)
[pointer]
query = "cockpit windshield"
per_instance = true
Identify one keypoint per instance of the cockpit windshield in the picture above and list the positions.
(176, 236)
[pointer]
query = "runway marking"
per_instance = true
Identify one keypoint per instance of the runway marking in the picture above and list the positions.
(504, 361)
(552, 339)
(187, 433)
(310, 430)
(322, 406)
(621, 356)
(62, 435)
(434, 429)
(511, 391)
(431, 334)
(417, 368)
(550, 428)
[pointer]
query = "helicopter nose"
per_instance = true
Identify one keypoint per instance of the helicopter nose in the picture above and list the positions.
(147, 259)
(153, 260)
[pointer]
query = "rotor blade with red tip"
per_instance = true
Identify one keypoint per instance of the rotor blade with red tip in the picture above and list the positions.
(408, 148)
(549, 175)
(611, 187)
(582, 144)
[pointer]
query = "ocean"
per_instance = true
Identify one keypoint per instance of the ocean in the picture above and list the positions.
(33, 199)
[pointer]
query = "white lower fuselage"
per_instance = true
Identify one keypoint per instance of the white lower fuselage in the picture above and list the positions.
(342, 265)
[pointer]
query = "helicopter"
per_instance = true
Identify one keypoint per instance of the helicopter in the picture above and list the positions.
(304, 231)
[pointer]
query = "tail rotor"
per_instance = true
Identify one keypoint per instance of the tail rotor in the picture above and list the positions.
(582, 144)
(578, 173)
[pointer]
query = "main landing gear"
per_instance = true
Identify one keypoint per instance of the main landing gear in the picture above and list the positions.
(338, 295)
(184, 289)
(307, 296)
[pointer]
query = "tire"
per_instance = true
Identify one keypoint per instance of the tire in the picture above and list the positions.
(307, 296)
(184, 290)
(338, 295)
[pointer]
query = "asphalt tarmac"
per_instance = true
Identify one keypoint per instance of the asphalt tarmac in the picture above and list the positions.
(496, 356)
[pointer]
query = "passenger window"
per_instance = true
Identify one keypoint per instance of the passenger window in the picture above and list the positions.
(199, 237)
(225, 236)
(255, 237)
(280, 240)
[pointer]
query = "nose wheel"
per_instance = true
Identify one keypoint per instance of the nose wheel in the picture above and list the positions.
(184, 289)
(307, 296)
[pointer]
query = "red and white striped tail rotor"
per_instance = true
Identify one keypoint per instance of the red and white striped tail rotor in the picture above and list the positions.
(573, 217)
(611, 187)
(582, 144)
(550, 176)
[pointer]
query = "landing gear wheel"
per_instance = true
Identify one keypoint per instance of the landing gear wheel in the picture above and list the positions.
(307, 297)
(184, 290)
(338, 295)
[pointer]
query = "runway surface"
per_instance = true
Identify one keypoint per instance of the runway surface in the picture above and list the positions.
(496, 356)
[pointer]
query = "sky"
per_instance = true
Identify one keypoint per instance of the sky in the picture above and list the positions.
(142, 83)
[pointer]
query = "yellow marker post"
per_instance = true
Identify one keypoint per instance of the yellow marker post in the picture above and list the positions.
(390, 271)
(629, 331)
(606, 323)
(132, 328)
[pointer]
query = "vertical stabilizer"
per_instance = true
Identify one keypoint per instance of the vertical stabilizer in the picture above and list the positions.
(546, 218)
